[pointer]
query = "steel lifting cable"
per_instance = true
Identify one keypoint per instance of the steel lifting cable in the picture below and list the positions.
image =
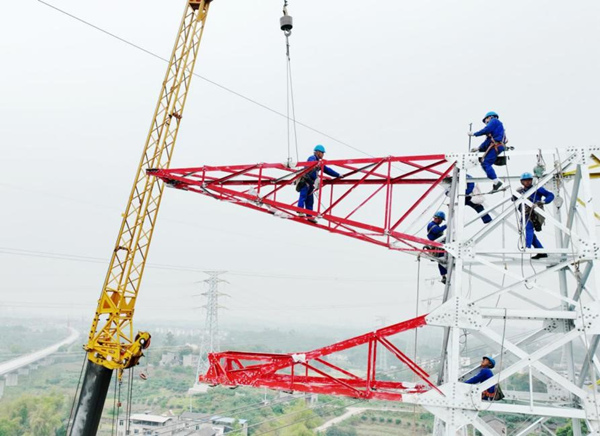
(521, 222)
(83, 366)
(115, 408)
(286, 24)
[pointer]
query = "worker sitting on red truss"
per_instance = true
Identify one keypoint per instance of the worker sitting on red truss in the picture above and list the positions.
(306, 184)
(435, 231)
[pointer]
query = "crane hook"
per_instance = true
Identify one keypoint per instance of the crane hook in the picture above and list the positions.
(286, 22)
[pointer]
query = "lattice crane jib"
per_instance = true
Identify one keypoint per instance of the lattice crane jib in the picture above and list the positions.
(112, 343)
(112, 334)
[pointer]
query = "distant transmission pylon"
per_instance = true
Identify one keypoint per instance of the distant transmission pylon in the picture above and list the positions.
(209, 338)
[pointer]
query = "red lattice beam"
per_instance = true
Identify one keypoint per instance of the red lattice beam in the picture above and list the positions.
(312, 372)
(369, 202)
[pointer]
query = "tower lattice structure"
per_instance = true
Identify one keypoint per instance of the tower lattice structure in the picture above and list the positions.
(522, 310)
(210, 339)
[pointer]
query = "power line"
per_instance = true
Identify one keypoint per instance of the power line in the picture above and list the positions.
(148, 52)
(93, 259)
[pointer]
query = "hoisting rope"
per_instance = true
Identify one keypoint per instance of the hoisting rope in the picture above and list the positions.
(287, 23)
(83, 366)
(116, 407)
(521, 221)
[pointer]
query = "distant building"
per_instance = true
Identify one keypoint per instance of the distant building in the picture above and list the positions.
(496, 423)
(144, 424)
(223, 423)
(170, 359)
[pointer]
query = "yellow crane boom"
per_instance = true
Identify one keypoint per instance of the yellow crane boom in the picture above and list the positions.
(112, 343)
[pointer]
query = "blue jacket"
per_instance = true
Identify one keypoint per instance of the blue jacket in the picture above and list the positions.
(540, 194)
(312, 176)
(495, 129)
(483, 375)
(434, 231)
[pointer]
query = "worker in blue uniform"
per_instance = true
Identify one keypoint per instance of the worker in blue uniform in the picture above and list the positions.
(485, 373)
(435, 231)
(307, 198)
(539, 198)
(470, 201)
(492, 146)
(471, 198)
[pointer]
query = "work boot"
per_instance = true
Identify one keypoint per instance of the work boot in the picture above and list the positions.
(312, 220)
(539, 256)
(300, 214)
(444, 280)
(496, 186)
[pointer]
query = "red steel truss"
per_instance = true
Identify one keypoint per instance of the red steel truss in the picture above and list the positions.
(312, 372)
(340, 203)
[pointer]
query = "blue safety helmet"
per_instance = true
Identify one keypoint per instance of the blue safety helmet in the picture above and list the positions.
(440, 214)
(491, 359)
(526, 176)
(320, 148)
(490, 114)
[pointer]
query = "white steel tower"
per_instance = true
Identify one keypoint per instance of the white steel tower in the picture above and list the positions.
(210, 341)
(495, 289)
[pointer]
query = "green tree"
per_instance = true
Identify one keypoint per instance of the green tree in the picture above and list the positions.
(8, 428)
(567, 430)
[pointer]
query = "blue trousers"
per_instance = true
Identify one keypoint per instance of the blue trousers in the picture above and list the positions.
(488, 162)
(530, 237)
(442, 269)
(478, 208)
(307, 198)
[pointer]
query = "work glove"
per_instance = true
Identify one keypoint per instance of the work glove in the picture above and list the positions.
(470, 133)
(475, 150)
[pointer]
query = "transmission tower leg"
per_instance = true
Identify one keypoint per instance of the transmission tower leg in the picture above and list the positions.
(91, 400)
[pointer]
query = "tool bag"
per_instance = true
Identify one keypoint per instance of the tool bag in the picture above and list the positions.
(496, 396)
(301, 183)
(476, 196)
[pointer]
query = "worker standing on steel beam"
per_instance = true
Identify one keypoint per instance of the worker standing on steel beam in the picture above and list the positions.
(306, 184)
(485, 373)
(492, 146)
(534, 221)
(435, 232)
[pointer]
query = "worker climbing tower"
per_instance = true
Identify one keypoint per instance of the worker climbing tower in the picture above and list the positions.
(528, 310)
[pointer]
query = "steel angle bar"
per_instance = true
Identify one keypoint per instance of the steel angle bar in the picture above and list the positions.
(591, 348)
(496, 222)
(483, 427)
(358, 182)
(523, 280)
(557, 412)
(582, 281)
(532, 359)
(494, 313)
(497, 286)
(421, 198)
(531, 426)
(573, 203)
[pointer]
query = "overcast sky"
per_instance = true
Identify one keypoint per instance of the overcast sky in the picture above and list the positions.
(387, 77)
